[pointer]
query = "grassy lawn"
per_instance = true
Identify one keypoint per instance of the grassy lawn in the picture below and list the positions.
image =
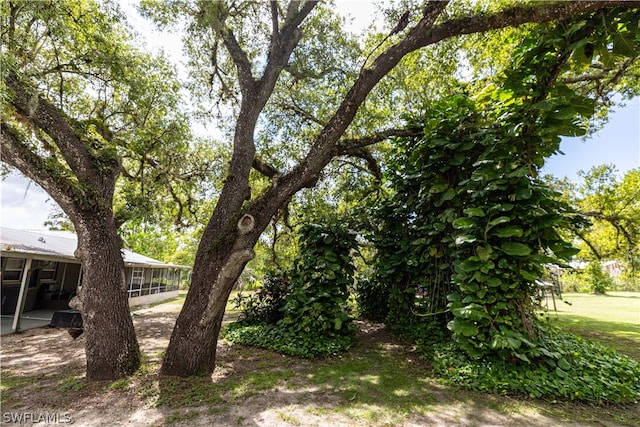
(612, 319)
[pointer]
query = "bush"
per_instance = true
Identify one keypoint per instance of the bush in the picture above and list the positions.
(266, 304)
(373, 300)
(570, 368)
(575, 281)
(305, 316)
(599, 280)
(629, 280)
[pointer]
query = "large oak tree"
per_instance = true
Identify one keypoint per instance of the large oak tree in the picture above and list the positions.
(82, 108)
(261, 40)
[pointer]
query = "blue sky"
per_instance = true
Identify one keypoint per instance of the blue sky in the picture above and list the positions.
(618, 143)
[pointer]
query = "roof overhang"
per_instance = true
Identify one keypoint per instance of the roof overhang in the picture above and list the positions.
(60, 247)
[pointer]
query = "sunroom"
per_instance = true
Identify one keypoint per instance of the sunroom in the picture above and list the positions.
(40, 275)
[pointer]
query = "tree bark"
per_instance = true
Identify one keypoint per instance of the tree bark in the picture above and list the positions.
(110, 341)
(219, 262)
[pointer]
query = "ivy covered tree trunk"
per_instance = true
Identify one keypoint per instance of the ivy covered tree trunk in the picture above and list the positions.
(470, 182)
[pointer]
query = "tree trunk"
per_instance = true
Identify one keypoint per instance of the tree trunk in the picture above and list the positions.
(220, 260)
(111, 346)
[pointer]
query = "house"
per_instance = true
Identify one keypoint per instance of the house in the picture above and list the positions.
(40, 269)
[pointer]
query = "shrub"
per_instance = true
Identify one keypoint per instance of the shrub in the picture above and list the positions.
(311, 307)
(568, 368)
(266, 304)
(575, 281)
(599, 280)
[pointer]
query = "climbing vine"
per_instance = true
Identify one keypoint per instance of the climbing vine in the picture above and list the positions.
(305, 315)
(466, 227)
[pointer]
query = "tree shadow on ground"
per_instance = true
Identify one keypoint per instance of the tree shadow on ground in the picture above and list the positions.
(381, 381)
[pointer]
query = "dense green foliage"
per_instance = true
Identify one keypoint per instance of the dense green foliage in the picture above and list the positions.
(266, 305)
(599, 281)
(466, 226)
(306, 315)
(582, 370)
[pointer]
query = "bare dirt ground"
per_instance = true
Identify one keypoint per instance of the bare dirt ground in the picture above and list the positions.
(42, 376)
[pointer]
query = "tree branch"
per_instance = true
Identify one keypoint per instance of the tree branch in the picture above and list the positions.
(615, 222)
(275, 26)
(51, 121)
(347, 145)
(372, 164)
(603, 74)
(21, 157)
(295, 108)
(264, 168)
(254, 97)
(243, 66)
(282, 45)
(515, 16)
(48, 118)
(423, 34)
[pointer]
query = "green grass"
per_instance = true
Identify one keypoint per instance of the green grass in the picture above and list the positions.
(379, 386)
(612, 320)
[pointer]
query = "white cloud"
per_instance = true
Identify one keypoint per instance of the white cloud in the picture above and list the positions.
(23, 204)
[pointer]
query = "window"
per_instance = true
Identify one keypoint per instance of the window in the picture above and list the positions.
(12, 271)
(137, 276)
(48, 271)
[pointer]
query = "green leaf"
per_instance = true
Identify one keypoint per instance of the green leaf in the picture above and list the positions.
(471, 311)
(504, 207)
(524, 194)
(484, 252)
(494, 282)
(470, 264)
(457, 159)
(510, 231)
(337, 323)
(474, 212)
(464, 328)
(499, 220)
(465, 238)
(564, 364)
(464, 223)
(449, 194)
(515, 248)
(564, 112)
(624, 45)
